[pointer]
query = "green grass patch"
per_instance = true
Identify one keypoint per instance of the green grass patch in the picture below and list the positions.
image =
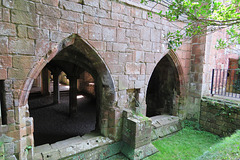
(187, 144)
(228, 148)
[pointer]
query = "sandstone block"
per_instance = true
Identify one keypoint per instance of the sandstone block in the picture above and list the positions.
(128, 19)
(89, 10)
(109, 34)
(147, 46)
(91, 3)
(149, 24)
(105, 4)
(155, 35)
(83, 30)
(22, 31)
(145, 33)
(133, 33)
(149, 57)
(72, 16)
(121, 36)
(3, 74)
(9, 148)
(139, 84)
(67, 26)
(23, 62)
(143, 68)
(132, 68)
(135, 12)
(123, 82)
(116, 69)
(117, 16)
(51, 2)
(3, 44)
(21, 45)
(149, 68)
(58, 36)
(47, 22)
(124, 25)
(95, 32)
(5, 61)
(22, 17)
(48, 10)
(125, 57)
(42, 47)
(108, 22)
(138, 56)
(90, 19)
(8, 4)
(100, 46)
(120, 8)
(36, 33)
(22, 5)
(17, 73)
(72, 6)
(103, 14)
(119, 47)
(7, 29)
(6, 15)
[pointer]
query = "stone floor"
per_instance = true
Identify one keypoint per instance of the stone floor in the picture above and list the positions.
(52, 122)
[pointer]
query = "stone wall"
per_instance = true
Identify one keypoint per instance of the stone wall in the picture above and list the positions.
(220, 116)
(128, 43)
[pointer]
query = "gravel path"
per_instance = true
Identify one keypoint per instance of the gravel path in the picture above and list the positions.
(52, 123)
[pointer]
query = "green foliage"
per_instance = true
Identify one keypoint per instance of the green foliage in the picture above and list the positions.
(201, 17)
(227, 111)
(228, 148)
(191, 124)
(186, 144)
(27, 149)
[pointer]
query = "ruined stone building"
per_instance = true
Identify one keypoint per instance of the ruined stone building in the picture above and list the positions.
(108, 50)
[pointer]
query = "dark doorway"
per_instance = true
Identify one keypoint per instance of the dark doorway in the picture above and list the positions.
(56, 120)
(163, 89)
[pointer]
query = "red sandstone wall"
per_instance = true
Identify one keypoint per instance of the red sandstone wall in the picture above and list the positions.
(129, 42)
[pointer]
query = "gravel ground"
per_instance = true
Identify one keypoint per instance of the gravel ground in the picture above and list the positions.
(52, 122)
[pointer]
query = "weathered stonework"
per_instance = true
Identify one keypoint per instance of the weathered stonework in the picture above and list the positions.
(220, 116)
(120, 44)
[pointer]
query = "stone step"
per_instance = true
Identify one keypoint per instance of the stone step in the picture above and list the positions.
(164, 125)
(70, 147)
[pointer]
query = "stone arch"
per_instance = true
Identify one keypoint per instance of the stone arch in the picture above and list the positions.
(165, 87)
(82, 51)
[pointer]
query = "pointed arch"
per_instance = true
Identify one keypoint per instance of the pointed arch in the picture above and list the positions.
(165, 86)
(79, 52)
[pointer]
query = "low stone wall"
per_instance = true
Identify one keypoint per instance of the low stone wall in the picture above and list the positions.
(220, 116)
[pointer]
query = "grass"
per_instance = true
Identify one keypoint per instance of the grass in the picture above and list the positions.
(228, 148)
(187, 144)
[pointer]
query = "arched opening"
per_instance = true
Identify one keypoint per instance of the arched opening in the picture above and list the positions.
(163, 89)
(91, 89)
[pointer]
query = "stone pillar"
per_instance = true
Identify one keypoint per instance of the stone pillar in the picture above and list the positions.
(136, 136)
(72, 95)
(56, 92)
(45, 82)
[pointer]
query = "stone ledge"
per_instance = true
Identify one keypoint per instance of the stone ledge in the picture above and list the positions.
(222, 100)
(71, 146)
(164, 125)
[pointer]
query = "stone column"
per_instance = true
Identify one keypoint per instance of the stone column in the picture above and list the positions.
(56, 92)
(73, 95)
(45, 82)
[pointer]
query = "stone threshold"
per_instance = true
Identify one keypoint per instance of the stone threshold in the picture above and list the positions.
(70, 147)
(164, 125)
